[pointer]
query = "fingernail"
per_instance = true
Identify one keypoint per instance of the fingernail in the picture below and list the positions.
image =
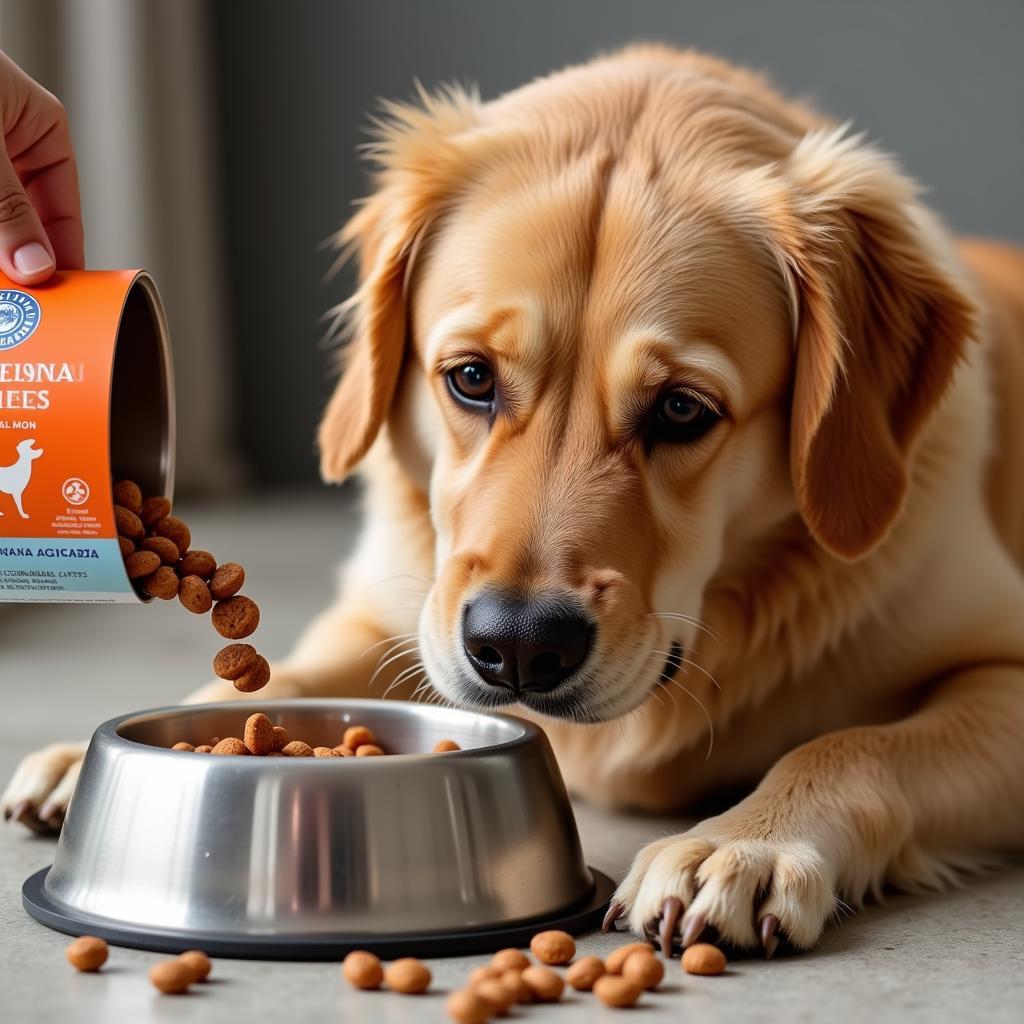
(32, 258)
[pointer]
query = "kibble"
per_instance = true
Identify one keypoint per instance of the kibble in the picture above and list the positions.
(198, 563)
(128, 494)
(87, 953)
(172, 977)
(545, 985)
(195, 595)
(703, 958)
(262, 738)
(645, 969)
(510, 960)
(128, 523)
(256, 678)
(153, 510)
(468, 1007)
(553, 947)
(357, 736)
(230, 745)
(487, 972)
(513, 981)
(162, 565)
(227, 580)
(446, 746)
(408, 976)
(617, 990)
(235, 660)
(259, 734)
(163, 583)
(164, 547)
(494, 992)
(198, 963)
(141, 563)
(585, 972)
(236, 617)
(174, 529)
(362, 970)
(615, 960)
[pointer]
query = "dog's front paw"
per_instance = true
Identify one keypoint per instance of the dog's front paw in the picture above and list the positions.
(750, 890)
(42, 786)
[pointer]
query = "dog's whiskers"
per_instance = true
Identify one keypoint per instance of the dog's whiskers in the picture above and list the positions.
(393, 657)
(684, 618)
(700, 704)
(402, 676)
(386, 640)
(678, 656)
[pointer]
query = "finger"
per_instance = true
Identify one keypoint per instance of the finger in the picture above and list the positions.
(26, 255)
(48, 172)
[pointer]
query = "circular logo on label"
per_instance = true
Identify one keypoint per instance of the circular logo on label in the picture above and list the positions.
(75, 491)
(19, 317)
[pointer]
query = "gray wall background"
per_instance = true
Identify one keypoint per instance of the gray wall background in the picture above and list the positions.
(939, 82)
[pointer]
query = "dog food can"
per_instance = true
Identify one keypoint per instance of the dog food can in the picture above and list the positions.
(86, 397)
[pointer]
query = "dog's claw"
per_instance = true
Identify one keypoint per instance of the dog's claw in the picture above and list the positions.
(692, 932)
(769, 940)
(614, 913)
(19, 810)
(671, 910)
(52, 815)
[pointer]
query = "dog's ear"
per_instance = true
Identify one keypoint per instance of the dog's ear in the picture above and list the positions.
(420, 163)
(882, 325)
(373, 358)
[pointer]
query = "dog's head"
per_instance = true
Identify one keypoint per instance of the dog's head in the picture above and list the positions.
(26, 449)
(623, 325)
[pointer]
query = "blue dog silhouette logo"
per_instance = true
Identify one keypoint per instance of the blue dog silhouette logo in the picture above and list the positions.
(19, 317)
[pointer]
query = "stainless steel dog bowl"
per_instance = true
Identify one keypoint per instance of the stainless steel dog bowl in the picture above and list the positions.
(305, 858)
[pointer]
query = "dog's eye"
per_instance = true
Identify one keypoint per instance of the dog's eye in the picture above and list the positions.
(680, 417)
(472, 384)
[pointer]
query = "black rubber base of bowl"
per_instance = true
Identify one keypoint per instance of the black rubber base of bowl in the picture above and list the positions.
(579, 918)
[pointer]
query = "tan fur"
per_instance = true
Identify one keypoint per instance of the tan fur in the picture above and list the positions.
(839, 558)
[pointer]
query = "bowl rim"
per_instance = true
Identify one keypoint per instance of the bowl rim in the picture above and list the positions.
(529, 733)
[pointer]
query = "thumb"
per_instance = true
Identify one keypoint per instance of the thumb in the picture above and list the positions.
(25, 252)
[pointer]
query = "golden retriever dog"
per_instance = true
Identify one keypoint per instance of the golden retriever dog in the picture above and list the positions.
(687, 430)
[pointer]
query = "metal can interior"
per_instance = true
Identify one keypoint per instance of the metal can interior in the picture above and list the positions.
(142, 393)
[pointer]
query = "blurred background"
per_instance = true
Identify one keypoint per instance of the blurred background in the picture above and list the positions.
(216, 145)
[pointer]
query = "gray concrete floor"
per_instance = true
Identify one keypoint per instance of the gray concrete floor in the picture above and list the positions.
(955, 956)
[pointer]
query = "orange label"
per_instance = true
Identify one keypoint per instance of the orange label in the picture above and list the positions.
(58, 541)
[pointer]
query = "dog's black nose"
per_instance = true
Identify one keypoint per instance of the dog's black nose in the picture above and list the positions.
(524, 644)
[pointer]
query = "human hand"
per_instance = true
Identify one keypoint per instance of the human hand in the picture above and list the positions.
(40, 210)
